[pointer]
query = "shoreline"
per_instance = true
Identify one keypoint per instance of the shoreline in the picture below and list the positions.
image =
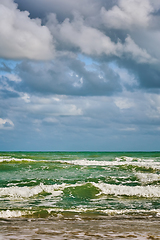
(98, 227)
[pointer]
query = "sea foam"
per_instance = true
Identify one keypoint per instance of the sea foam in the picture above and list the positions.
(119, 162)
(5, 159)
(121, 190)
(56, 190)
(27, 192)
(11, 214)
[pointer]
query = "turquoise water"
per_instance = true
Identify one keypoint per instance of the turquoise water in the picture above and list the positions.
(44, 184)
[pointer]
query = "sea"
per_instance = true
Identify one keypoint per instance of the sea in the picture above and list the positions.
(79, 195)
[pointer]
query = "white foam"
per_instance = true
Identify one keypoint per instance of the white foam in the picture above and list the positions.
(5, 159)
(128, 159)
(15, 192)
(26, 192)
(76, 210)
(17, 213)
(130, 211)
(148, 177)
(85, 162)
(11, 214)
(120, 190)
(106, 211)
(149, 163)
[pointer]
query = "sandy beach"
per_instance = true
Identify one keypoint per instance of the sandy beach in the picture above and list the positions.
(80, 228)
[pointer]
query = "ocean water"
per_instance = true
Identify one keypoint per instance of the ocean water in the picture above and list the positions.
(79, 185)
(42, 184)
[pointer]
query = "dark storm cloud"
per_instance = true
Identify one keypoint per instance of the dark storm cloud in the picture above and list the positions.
(63, 8)
(68, 76)
(8, 94)
(147, 75)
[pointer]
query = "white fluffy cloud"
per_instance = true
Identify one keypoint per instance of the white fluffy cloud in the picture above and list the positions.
(22, 37)
(127, 14)
(92, 41)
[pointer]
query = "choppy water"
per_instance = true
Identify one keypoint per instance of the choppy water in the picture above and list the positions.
(45, 184)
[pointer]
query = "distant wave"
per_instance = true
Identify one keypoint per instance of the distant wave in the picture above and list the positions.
(119, 162)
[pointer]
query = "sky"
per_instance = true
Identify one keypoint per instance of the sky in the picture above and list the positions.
(80, 75)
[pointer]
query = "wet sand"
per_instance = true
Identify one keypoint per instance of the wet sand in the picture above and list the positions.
(80, 228)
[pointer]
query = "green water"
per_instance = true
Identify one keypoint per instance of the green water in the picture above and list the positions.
(44, 184)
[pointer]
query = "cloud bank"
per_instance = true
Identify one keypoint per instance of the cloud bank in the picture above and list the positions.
(80, 75)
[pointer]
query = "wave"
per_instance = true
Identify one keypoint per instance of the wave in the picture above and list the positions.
(7, 159)
(121, 161)
(60, 212)
(81, 191)
(148, 178)
(27, 192)
(126, 161)
(121, 190)
(12, 213)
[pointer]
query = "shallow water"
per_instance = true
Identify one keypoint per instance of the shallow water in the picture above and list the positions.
(80, 228)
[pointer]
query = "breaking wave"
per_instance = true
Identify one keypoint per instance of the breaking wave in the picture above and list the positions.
(86, 190)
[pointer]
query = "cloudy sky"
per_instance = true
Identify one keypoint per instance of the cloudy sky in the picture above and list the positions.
(80, 75)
